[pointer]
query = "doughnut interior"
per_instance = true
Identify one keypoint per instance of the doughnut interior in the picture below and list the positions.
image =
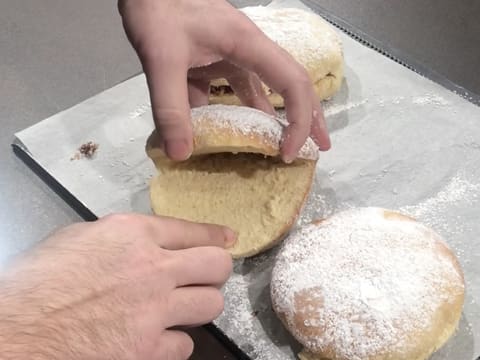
(234, 177)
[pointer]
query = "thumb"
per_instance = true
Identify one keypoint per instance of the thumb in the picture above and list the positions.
(167, 83)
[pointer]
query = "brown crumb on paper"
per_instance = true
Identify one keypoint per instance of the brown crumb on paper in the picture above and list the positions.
(86, 150)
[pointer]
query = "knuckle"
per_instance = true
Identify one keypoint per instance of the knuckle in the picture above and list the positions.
(118, 219)
(227, 46)
(172, 122)
(303, 79)
(142, 257)
(168, 116)
(121, 220)
(244, 29)
(244, 26)
(127, 224)
(300, 83)
(71, 229)
(165, 262)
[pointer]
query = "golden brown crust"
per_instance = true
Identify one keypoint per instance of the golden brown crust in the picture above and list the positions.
(393, 215)
(233, 129)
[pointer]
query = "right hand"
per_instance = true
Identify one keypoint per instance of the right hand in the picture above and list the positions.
(183, 44)
(118, 288)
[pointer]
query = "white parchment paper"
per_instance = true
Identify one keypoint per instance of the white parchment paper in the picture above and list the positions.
(116, 178)
(399, 141)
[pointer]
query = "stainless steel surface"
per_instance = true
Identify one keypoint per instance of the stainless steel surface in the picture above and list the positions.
(54, 54)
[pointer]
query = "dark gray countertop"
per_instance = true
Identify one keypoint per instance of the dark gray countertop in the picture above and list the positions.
(56, 53)
(440, 35)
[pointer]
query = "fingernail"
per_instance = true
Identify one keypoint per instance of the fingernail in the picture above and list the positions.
(230, 237)
(287, 159)
(178, 149)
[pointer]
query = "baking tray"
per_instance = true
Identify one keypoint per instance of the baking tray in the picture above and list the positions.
(400, 141)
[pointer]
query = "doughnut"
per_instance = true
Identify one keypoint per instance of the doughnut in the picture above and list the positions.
(308, 38)
(234, 177)
(367, 284)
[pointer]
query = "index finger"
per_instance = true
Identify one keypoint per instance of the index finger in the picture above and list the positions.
(166, 76)
(277, 68)
(177, 234)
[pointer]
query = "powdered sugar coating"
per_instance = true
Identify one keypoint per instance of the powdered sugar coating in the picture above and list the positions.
(246, 121)
(305, 35)
(380, 280)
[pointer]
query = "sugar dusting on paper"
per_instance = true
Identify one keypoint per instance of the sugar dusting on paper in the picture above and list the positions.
(142, 109)
(429, 99)
(431, 211)
(334, 109)
(243, 311)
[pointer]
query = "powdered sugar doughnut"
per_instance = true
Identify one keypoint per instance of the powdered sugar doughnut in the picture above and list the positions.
(230, 128)
(368, 284)
(306, 36)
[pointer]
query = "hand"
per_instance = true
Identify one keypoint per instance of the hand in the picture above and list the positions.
(183, 44)
(117, 288)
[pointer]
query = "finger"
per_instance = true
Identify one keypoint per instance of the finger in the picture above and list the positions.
(194, 306)
(198, 91)
(201, 266)
(319, 131)
(297, 131)
(180, 234)
(281, 72)
(214, 71)
(174, 345)
(167, 82)
(170, 233)
(248, 87)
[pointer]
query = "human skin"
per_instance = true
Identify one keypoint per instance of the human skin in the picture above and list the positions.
(183, 44)
(118, 288)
